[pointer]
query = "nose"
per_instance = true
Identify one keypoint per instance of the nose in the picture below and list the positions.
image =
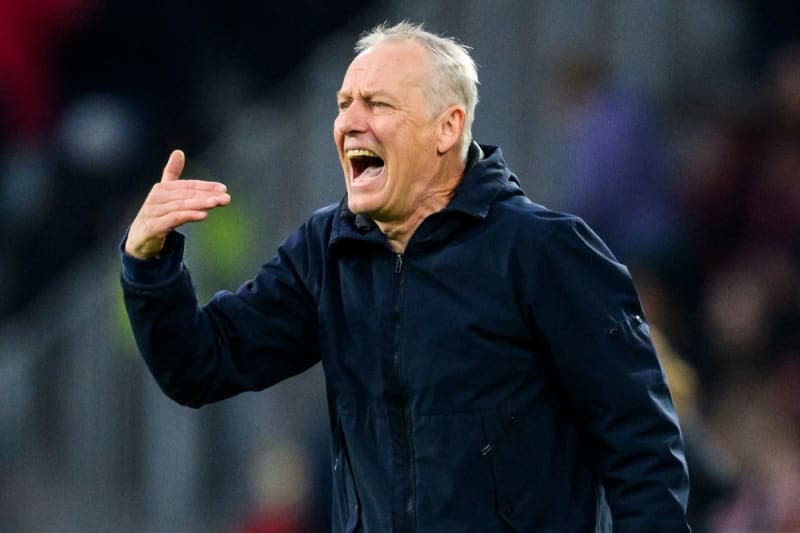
(351, 120)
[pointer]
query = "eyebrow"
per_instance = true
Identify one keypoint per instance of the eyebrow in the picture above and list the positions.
(365, 95)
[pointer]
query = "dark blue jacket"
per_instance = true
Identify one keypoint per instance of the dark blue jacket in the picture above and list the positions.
(498, 376)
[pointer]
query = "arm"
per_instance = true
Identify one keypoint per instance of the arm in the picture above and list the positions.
(607, 364)
(241, 341)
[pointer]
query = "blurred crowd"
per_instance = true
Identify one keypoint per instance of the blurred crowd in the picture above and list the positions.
(698, 194)
(94, 95)
(740, 206)
(704, 207)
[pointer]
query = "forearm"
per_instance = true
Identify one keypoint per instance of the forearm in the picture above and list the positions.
(173, 336)
(243, 341)
(641, 457)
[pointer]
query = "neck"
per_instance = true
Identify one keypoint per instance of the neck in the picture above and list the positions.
(399, 232)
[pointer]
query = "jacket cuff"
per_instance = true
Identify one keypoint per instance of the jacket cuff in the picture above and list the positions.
(155, 271)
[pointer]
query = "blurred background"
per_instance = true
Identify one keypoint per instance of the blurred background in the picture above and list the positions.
(672, 127)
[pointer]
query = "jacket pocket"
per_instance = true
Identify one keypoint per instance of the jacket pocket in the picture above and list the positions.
(347, 508)
(517, 470)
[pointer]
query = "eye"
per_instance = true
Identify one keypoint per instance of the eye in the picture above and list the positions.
(344, 104)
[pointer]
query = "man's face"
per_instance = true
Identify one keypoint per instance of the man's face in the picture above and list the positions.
(386, 132)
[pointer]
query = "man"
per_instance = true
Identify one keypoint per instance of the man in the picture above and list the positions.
(487, 364)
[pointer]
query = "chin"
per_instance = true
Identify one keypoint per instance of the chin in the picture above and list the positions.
(367, 207)
(359, 207)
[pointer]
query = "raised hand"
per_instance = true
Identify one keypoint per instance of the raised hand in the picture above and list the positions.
(172, 202)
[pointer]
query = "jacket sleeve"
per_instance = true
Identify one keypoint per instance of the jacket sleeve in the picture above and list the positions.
(244, 341)
(606, 363)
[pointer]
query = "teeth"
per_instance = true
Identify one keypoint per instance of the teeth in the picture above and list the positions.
(360, 152)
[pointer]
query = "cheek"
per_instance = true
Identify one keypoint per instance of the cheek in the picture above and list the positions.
(337, 133)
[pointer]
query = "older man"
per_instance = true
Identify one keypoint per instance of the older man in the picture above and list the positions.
(487, 362)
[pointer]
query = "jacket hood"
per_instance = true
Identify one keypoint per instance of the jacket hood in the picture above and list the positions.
(486, 180)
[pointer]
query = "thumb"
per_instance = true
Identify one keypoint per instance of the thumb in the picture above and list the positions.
(174, 167)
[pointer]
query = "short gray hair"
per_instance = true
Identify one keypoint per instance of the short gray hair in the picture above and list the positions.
(454, 74)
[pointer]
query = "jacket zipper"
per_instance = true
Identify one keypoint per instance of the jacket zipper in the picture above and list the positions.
(409, 454)
(398, 270)
(408, 443)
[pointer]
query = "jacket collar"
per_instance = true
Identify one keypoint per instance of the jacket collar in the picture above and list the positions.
(486, 178)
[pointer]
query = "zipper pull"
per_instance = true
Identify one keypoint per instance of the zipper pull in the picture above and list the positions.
(398, 265)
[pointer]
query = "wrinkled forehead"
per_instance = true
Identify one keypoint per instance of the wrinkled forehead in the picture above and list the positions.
(399, 65)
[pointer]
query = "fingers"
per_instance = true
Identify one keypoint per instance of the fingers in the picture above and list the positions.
(174, 166)
(163, 200)
(185, 199)
(171, 203)
(157, 227)
(157, 217)
(188, 188)
(173, 170)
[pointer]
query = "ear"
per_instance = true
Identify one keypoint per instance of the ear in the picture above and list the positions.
(451, 125)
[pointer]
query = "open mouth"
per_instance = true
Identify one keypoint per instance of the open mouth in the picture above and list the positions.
(365, 163)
